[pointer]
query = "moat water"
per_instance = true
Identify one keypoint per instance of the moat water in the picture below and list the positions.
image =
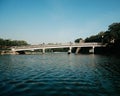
(59, 74)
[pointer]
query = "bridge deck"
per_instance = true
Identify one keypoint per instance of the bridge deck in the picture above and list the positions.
(47, 46)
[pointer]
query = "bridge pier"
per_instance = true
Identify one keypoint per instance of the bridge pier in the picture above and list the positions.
(70, 50)
(77, 50)
(13, 51)
(92, 50)
(43, 50)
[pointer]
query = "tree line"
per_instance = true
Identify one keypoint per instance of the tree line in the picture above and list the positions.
(7, 43)
(111, 37)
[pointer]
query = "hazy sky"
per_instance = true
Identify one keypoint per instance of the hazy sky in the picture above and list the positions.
(38, 21)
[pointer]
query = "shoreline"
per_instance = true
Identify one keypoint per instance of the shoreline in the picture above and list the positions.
(8, 52)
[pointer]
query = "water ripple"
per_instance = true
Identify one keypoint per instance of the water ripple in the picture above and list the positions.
(59, 75)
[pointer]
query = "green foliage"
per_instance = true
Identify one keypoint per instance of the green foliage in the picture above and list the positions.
(78, 40)
(114, 30)
(95, 38)
(112, 35)
(8, 42)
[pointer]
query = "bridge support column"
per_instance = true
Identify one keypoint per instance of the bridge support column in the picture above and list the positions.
(13, 51)
(77, 50)
(92, 50)
(70, 50)
(43, 50)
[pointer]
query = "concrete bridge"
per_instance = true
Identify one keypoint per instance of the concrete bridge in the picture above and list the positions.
(53, 46)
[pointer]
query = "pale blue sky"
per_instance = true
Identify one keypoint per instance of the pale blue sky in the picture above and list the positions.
(38, 21)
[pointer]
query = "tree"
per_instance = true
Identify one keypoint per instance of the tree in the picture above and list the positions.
(111, 37)
(78, 40)
(114, 30)
(96, 38)
(8, 42)
(1, 42)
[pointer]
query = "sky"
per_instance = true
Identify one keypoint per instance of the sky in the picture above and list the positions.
(56, 21)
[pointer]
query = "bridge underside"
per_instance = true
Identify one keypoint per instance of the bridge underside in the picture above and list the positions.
(20, 52)
(42, 51)
(69, 50)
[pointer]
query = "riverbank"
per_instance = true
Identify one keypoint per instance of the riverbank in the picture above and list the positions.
(7, 52)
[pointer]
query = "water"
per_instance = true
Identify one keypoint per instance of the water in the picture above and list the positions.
(59, 74)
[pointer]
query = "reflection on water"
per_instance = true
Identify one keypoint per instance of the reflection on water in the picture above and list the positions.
(59, 75)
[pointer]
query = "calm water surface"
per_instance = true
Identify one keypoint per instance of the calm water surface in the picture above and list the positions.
(59, 75)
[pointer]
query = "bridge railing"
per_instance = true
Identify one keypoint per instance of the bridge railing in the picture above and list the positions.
(88, 43)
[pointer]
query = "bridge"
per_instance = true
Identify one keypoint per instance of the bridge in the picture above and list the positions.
(53, 46)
